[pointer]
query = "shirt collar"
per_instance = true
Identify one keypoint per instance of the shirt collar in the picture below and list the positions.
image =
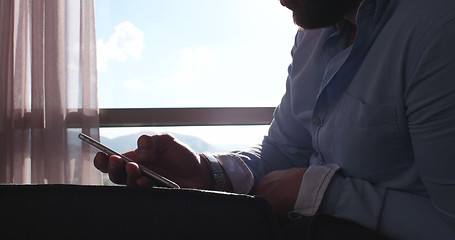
(373, 8)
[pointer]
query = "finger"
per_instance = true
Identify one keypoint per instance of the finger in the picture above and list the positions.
(131, 155)
(157, 142)
(145, 141)
(150, 146)
(133, 173)
(101, 162)
(145, 181)
(144, 155)
(144, 151)
(116, 170)
(135, 176)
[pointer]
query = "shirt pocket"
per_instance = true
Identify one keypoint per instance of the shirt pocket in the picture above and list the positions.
(364, 115)
(367, 139)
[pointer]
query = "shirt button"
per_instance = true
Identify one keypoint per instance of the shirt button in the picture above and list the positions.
(317, 121)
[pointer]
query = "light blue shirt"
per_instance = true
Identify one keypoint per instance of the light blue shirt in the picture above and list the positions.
(383, 111)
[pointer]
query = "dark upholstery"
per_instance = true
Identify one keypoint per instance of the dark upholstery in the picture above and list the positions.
(95, 212)
(101, 212)
(324, 227)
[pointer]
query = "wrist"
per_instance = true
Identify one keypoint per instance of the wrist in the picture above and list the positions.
(209, 181)
(218, 176)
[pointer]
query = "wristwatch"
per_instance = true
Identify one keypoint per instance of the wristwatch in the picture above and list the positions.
(216, 169)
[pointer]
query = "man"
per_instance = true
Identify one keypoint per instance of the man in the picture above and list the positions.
(364, 132)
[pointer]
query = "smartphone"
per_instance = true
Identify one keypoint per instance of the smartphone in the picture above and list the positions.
(160, 180)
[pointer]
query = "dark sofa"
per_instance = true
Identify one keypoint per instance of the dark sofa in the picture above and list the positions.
(101, 212)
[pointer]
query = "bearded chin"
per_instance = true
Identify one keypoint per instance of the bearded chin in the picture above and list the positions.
(322, 13)
(315, 22)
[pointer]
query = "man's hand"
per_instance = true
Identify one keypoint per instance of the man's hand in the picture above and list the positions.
(281, 188)
(162, 154)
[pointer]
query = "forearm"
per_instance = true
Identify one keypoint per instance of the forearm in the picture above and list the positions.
(413, 217)
(397, 214)
(245, 168)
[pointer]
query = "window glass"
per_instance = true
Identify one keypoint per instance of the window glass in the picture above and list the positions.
(192, 53)
(199, 138)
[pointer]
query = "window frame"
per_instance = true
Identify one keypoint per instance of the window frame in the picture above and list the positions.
(148, 117)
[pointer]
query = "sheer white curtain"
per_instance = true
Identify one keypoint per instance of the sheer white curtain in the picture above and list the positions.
(48, 91)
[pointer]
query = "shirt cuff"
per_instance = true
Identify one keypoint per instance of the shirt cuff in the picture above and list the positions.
(314, 183)
(238, 172)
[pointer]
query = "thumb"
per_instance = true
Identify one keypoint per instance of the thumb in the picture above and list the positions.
(149, 146)
(157, 142)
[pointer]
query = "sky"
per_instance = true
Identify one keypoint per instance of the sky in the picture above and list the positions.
(192, 53)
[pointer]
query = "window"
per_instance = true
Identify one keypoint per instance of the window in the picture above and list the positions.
(199, 138)
(157, 56)
(192, 53)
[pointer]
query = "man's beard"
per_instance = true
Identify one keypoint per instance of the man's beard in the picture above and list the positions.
(311, 14)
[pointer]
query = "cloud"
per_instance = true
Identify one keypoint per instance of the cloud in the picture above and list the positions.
(191, 65)
(126, 42)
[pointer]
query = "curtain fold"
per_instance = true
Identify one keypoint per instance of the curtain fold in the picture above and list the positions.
(48, 91)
